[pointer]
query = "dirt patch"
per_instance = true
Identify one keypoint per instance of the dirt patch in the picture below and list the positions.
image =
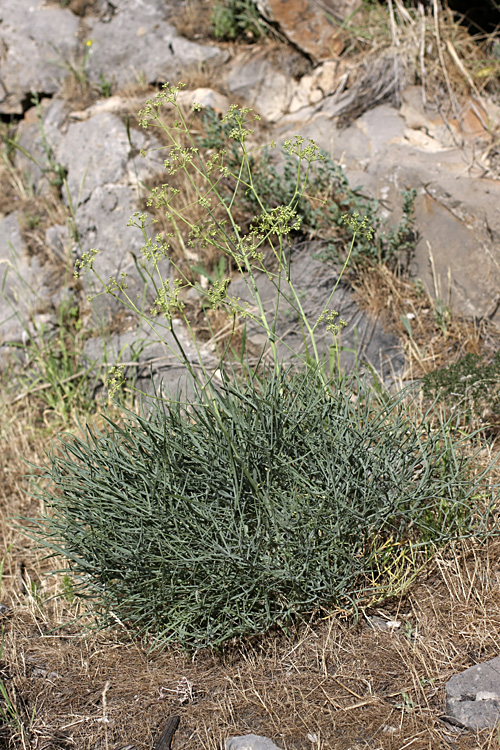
(331, 684)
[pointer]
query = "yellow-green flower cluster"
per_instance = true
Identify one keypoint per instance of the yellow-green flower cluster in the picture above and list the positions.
(167, 301)
(332, 324)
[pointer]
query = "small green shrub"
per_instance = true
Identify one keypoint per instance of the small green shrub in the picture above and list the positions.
(321, 207)
(235, 18)
(216, 519)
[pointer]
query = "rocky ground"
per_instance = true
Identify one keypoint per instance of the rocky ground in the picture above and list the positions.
(402, 102)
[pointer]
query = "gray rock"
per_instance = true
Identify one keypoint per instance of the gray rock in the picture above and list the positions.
(457, 216)
(104, 175)
(385, 150)
(138, 43)
(379, 623)
(268, 90)
(59, 243)
(27, 294)
(35, 44)
(102, 224)
(21, 285)
(99, 151)
(151, 356)
(473, 697)
(95, 153)
(250, 742)
(206, 98)
(38, 139)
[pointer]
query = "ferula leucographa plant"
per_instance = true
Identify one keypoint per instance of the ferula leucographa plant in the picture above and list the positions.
(204, 173)
(260, 501)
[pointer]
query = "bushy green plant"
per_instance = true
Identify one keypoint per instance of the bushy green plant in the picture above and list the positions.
(273, 492)
(216, 519)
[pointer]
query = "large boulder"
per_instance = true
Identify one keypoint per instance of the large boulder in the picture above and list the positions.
(36, 45)
(387, 151)
(362, 342)
(256, 79)
(138, 44)
(95, 153)
(125, 43)
(38, 135)
(24, 294)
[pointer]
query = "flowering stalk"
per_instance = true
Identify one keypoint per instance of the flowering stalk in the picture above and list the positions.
(206, 174)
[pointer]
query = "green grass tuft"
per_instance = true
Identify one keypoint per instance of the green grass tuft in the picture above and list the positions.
(272, 499)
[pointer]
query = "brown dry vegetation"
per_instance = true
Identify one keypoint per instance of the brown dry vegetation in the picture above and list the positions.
(332, 683)
(438, 338)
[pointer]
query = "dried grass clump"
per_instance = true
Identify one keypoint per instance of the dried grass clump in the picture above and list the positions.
(395, 46)
(433, 337)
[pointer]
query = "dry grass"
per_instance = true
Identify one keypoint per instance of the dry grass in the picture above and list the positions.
(194, 19)
(78, 92)
(389, 48)
(430, 44)
(437, 338)
(432, 337)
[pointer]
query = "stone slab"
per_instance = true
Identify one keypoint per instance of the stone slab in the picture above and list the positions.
(102, 224)
(250, 742)
(309, 25)
(36, 44)
(473, 696)
(152, 359)
(138, 43)
(95, 153)
(457, 213)
(24, 294)
(363, 340)
(264, 87)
